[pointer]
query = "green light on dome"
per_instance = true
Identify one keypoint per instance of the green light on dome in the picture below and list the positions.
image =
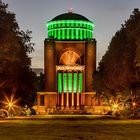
(59, 35)
(70, 29)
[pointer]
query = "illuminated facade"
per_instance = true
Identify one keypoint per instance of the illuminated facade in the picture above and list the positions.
(69, 62)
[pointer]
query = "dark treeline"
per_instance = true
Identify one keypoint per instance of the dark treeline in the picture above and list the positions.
(16, 76)
(119, 69)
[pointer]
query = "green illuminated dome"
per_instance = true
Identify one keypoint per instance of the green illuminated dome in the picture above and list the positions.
(70, 26)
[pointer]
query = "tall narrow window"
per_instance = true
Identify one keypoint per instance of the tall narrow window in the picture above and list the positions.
(59, 83)
(65, 82)
(69, 82)
(80, 82)
(75, 82)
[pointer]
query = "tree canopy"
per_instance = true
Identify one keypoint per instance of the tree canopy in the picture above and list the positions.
(16, 76)
(119, 67)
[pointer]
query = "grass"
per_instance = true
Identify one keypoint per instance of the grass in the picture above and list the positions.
(69, 128)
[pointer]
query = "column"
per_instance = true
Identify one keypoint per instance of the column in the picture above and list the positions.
(77, 91)
(62, 94)
(83, 99)
(59, 87)
(72, 100)
(58, 104)
(62, 100)
(82, 94)
(45, 100)
(67, 100)
(72, 95)
(67, 94)
(38, 100)
(77, 100)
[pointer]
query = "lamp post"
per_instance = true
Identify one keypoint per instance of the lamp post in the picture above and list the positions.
(133, 107)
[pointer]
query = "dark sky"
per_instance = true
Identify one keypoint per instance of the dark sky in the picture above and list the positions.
(108, 15)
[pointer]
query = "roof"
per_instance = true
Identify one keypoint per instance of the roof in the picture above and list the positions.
(70, 16)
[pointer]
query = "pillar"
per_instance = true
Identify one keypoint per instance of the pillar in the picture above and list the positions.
(45, 100)
(49, 66)
(67, 94)
(77, 100)
(62, 100)
(90, 64)
(38, 100)
(58, 104)
(83, 89)
(72, 94)
(67, 100)
(59, 87)
(62, 94)
(83, 99)
(72, 100)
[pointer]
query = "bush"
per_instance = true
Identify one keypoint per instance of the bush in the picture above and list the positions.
(4, 113)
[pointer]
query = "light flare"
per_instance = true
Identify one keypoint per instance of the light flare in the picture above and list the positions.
(10, 103)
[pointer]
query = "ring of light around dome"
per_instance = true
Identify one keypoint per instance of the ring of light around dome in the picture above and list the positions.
(70, 26)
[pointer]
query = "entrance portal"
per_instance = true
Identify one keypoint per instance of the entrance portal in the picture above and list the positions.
(70, 86)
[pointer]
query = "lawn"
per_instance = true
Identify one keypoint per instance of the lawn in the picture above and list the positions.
(69, 128)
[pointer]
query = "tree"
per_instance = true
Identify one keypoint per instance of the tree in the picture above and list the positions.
(132, 26)
(119, 65)
(16, 76)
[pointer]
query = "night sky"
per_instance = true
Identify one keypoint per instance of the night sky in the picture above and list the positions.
(108, 15)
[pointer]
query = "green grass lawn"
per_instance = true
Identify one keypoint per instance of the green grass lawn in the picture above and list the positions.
(69, 128)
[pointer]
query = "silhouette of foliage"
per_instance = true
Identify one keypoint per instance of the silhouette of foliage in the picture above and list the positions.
(119, 68)
(16, 76)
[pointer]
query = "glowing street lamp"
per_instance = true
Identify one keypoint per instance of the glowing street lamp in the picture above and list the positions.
(134, 104)
(10, 103)
(115, 107)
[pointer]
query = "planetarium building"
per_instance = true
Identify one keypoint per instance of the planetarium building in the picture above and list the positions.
(69, 63)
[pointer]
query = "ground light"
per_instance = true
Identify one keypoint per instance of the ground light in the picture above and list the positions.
(134, 104)
(116, 105)
(10, 103)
